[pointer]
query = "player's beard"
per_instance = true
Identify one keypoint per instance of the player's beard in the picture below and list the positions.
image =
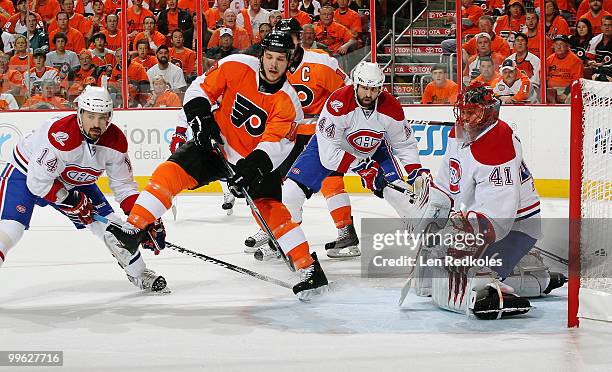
(94, 133)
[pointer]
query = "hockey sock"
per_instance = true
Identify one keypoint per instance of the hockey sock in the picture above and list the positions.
(289, 234)
(167, 180)
(293, 198)
(10, 233)
(338, 202)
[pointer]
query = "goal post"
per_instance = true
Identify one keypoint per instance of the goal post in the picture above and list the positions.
(590, 207)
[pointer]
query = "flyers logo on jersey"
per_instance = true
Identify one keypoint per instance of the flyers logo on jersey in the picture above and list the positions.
(305, 94)
(79, 176)
(454, 168)
(245, 112)
(60, 137)
(365, 140)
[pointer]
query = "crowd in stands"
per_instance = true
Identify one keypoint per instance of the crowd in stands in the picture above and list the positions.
(51, 49)
(502, 48)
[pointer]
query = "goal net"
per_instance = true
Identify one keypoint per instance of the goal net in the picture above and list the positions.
(590, 271)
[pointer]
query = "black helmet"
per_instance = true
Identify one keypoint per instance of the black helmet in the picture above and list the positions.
(288, 25)
(278, 41)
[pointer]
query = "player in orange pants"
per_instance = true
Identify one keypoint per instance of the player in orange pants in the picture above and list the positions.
(255, 126)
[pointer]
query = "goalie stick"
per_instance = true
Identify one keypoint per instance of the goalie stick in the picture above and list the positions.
(209, 259)
(552, 256)
(254, 208)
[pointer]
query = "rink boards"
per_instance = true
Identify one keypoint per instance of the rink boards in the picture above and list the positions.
(543, 130)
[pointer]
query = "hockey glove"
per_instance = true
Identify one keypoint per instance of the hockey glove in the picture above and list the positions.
(417, 179)
(250, 171)
(371, 178)
(178, 139)
(203, 125)
(77, 207)
(155, 239)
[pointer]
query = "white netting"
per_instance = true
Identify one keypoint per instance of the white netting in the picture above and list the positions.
(596, 195)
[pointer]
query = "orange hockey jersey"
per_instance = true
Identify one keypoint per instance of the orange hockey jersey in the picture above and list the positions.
(248, 118)
(316, 77)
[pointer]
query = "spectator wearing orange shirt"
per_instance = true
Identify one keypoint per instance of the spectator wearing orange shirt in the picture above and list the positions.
(555, 24)
(75, 20)
(483, 49)
(494, 7)
(513, 86)
(17, 23)
(112, 33)
(513, 20)
(162, 95)
(470, 14)
(563, 68)
(488, 74)
(112, 6)
(76, 41)
(241, 37)
(22, 60)
(47, 99)
(7, 8)
(11, 80)
(533, 35)
(47, 9)
(173, 18)
(143, 55)
(441, 89)
(595, 15)
(498, 43)
(152, 36)
(347, 17)
(87, 69)
(135, 18)
(183, 57)
(294, 12)
(214, 15)
(137, 74)
(584, 7)
(338, 38)
(97, 22)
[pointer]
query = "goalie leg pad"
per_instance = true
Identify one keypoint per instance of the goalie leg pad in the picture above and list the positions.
(431, 209)
(532, 278)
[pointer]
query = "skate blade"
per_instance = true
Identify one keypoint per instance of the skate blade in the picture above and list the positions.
(309, 294)
(346, 252)
(250, 250)
(163, 292)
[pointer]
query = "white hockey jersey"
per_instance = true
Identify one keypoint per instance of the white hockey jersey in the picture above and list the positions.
(346, 133)
(490, 177)
(57, 156)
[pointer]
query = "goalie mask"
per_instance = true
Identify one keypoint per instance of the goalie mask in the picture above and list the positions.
(476, 109)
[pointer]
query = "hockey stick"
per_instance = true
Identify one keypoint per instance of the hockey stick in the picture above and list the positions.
(208, 259)
(430, 122)
(552, 256)
(254, 208)
(404, 191)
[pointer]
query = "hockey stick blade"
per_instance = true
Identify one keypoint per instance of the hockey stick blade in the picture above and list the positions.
(209, 259)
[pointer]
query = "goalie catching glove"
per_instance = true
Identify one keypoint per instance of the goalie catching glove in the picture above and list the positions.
(203, 125)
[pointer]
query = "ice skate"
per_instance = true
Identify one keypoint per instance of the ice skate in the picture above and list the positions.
(228, 203)
(149, 281)
(312, 282)
(255, 241)
(267, 252)
(346, 245)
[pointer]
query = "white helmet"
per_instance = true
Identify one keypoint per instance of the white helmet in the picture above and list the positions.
(368, 74)
(94, 99)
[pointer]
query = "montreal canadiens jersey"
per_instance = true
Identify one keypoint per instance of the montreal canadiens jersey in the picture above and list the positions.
(490, 177)
(57, 156)
(248, 119)
(315, 78)
(346, 133)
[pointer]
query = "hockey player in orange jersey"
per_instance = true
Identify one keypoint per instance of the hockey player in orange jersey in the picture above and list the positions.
(315, 76)
(255, 124)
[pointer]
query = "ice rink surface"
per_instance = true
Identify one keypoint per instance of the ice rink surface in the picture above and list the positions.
(61, 290)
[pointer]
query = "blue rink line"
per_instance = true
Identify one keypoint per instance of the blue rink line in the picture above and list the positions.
(375, 310)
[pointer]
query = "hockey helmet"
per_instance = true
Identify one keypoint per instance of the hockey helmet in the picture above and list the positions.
(94, 99)
(476, 109)
(288, 25)
(278, 41)
(368, 74)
